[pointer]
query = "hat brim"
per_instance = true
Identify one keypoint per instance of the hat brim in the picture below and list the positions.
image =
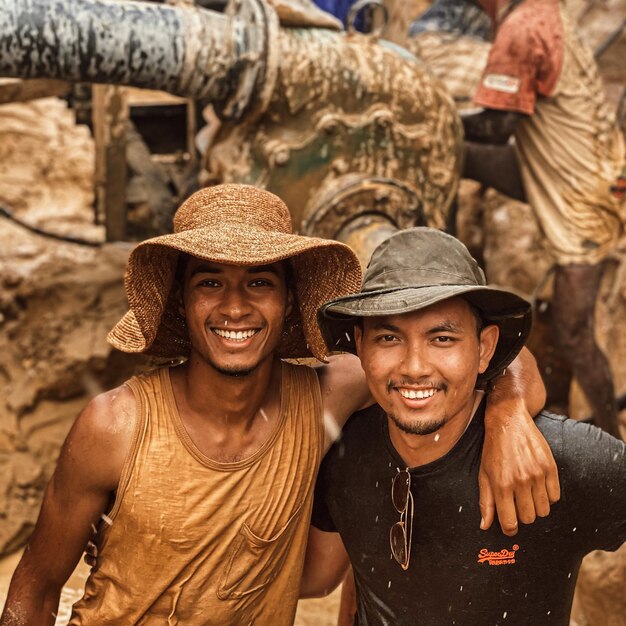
(323, 270)
(510, 312)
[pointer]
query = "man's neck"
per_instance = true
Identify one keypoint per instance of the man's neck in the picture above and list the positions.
(417, 450)
(228, 418)
(226, 400)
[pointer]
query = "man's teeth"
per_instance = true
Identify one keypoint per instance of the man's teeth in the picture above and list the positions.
(411, 394)
(234, 335)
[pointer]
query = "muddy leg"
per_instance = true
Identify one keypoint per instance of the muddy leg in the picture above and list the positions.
(575, 291)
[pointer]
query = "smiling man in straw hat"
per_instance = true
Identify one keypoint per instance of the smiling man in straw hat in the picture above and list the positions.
(399, 492)
(200, 476)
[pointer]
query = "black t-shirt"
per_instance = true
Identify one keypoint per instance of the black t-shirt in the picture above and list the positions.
(459, 574)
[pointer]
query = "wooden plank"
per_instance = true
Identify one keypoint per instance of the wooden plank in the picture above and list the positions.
(16, 90)
(110, 120)
(191, 131)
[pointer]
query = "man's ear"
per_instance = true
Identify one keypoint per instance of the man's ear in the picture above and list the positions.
(290, 300)
(358, 337)
(181, 301)
(488, 342)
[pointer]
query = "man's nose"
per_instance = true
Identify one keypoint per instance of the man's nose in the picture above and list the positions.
(415, 363)
(234, 304)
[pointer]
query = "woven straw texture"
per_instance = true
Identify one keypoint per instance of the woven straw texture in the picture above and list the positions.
(237, 225)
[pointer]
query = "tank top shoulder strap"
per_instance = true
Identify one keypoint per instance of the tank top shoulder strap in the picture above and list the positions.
(143, 388)
(301, 388)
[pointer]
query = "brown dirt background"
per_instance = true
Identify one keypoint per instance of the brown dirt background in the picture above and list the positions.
(58, 300)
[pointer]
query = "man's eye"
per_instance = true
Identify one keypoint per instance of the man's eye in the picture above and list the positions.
(207, 282)
(444, 339)
(261, 282)
(387, 338)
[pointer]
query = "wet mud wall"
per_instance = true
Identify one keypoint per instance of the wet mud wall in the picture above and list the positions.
(57, 302)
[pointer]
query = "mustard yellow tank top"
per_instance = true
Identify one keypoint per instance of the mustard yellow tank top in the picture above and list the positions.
(194, 542)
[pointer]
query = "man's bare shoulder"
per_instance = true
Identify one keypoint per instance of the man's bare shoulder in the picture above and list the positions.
(111, 414)
(102, 435)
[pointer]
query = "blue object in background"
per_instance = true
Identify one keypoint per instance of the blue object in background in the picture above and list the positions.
(340, 8)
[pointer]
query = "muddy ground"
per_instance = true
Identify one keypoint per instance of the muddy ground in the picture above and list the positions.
(58, 300)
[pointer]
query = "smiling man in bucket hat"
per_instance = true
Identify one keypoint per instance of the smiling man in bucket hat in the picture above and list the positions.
(397, 496)
(200, 476)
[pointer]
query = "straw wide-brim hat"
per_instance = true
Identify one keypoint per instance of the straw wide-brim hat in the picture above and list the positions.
(415, 269)
(237, 225)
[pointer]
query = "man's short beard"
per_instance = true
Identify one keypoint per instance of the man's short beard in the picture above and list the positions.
(417, 427)
(233, 372)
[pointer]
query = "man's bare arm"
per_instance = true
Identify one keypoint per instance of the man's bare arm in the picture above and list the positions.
(344, 391)
(87, 473)
(518, 475)
(325, 564)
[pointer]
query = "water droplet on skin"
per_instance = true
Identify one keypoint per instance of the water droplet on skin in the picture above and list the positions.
(437, 437)
(332, 428)
(225, 322)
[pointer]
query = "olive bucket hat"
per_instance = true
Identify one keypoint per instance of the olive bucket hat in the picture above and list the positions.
(416, 268)
(237, 225)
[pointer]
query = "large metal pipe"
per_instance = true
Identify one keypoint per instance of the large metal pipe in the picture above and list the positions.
(338, 125)
(187, 51)
(365, 233)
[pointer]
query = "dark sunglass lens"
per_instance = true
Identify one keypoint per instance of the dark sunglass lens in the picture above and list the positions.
(397, 542)
(400, 490)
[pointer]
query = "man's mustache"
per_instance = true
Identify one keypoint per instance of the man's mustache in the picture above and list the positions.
(423, 381)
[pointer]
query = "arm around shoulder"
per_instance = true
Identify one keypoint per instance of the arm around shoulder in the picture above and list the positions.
(344, 392)
(87, 473)
(518, 474)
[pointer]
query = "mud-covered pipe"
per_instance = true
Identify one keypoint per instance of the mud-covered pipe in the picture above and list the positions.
(365, 233)
(188, 51)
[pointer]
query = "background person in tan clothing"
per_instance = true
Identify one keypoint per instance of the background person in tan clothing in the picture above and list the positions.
(200, 476)
(543, 86)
